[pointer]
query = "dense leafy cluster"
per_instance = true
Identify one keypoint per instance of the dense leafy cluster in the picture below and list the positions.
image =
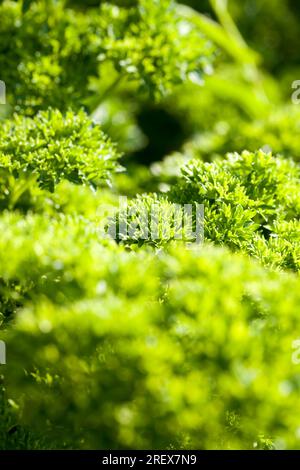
(47, 149)
(148, 326)
(40, 52)
(109, 355)
(277, 130)
(251, 202)
(147, 42)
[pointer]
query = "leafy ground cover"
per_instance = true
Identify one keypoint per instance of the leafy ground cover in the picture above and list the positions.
(138, 341)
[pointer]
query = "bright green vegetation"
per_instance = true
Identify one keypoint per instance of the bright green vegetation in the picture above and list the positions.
(148, 44)
(140, 342)
(251, 203)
